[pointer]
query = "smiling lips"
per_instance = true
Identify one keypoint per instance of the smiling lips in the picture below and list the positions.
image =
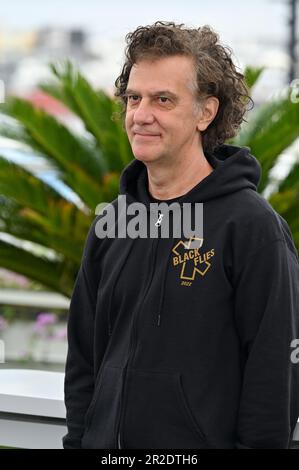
(146, 135)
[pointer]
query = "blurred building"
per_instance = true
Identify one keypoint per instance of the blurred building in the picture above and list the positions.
(24, 57)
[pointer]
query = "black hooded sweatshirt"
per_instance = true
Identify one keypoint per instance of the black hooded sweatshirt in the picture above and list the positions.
(178, 348)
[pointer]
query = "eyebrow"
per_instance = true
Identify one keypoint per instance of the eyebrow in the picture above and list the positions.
(130, 91)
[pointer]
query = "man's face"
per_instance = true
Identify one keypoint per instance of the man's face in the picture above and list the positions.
(160, 103)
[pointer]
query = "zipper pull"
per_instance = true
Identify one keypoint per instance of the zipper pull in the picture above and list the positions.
(158, 223)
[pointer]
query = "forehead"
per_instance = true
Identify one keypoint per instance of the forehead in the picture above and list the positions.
(170, 73)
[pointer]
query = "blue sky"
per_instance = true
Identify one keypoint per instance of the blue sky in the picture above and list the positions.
(234, 19)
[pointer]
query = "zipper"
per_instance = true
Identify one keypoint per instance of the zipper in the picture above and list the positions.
(118, 440)
(131, 351)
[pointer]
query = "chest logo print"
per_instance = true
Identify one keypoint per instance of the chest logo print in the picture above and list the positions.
(192, 261)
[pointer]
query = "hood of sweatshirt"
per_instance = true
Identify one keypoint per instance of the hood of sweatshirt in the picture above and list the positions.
(234, 169)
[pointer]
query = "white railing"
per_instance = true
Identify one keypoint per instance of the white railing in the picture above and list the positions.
(32, 410)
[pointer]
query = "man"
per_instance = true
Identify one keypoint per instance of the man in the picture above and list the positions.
(173, 344)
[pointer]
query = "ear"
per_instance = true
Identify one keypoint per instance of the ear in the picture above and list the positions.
(208, 112)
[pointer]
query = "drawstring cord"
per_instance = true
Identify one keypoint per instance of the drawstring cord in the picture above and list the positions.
(163, 291)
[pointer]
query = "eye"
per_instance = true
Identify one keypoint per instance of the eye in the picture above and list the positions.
(164, 98)
(132, 96)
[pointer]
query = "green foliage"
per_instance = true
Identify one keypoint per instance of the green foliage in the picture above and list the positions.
(271, 129)
(90, 165)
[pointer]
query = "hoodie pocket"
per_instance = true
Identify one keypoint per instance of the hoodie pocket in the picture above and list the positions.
(102, 413)
(158, 414)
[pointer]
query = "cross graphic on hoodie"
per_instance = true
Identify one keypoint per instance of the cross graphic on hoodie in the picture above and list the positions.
(190, 259)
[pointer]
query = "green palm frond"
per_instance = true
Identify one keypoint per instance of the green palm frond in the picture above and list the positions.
(57, 275)
(252, 75)
(93, 108)
(79, 167)
(272, 128)
(269, 131)
(38, 213)
(291, 181)
(89, 165)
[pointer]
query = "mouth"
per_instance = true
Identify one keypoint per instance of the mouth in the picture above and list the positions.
(146, 136)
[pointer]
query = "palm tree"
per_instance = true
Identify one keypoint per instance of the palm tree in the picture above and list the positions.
(271, 129)
(90, 165)
(31, 210)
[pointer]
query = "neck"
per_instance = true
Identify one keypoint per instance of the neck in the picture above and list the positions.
(168, 181)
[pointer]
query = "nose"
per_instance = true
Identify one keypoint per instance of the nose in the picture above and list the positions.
(143, 113)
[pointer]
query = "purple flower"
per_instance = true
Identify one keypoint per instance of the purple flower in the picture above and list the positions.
(44, 321)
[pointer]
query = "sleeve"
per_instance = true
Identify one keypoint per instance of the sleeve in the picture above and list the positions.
(267, 322)
(79, 368)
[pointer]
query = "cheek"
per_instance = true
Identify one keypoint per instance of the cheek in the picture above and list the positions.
(128, 124)
(127, 118)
